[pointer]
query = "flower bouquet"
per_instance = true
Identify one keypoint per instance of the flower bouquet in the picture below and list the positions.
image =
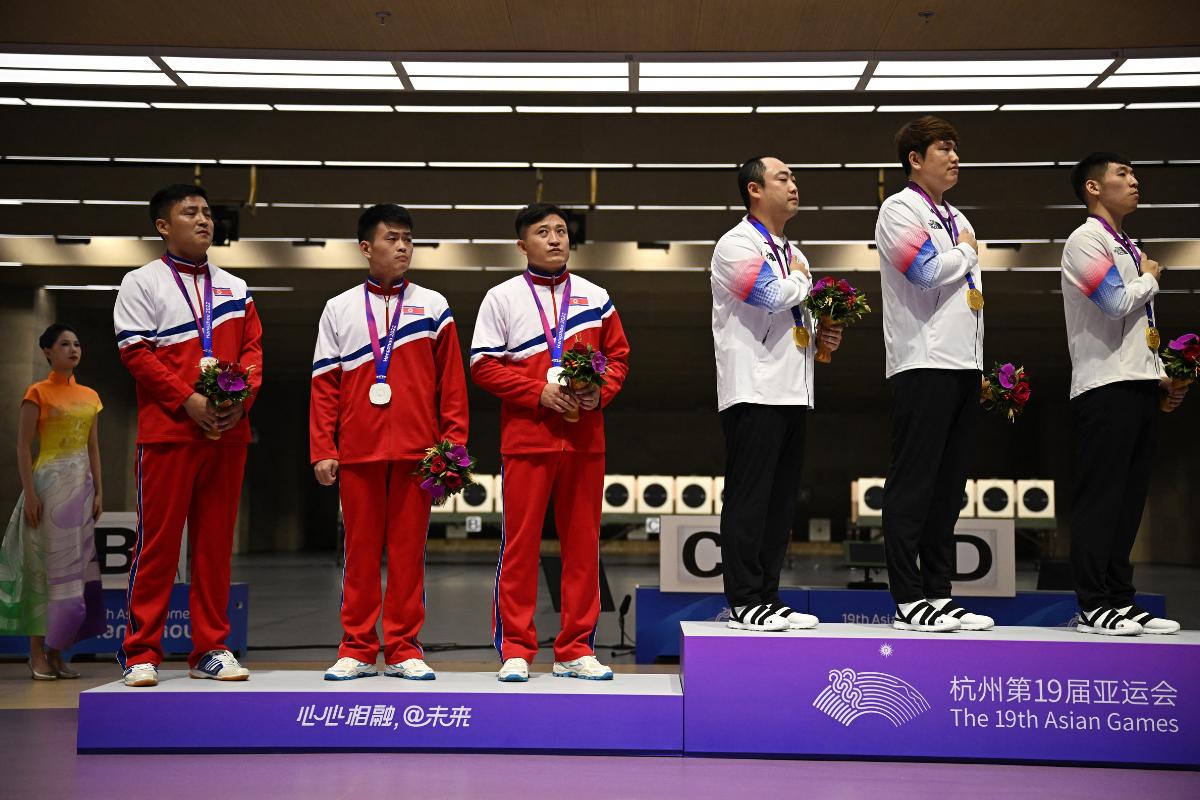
(834, 303)
(1181, 360)
(582, 366)
(223, 383)
(1006, 390)
(446, 470)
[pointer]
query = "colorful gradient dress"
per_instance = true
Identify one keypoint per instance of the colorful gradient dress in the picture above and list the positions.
(49, 575)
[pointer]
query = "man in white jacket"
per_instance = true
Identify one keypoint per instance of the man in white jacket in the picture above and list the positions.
(1108, 288)
(764, 341)
(933, 333)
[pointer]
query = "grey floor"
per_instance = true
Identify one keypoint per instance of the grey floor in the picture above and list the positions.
(294, 601)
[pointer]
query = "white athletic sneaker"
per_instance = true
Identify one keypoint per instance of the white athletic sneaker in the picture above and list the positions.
(586, 667)
(796, 620)
(347, 668)
(515, 670)
(141, 675)
(1107, 622)
(966, 620)
(1149, 622)
(923, 618)
(414, 669)
(756, 618)
(219, 665)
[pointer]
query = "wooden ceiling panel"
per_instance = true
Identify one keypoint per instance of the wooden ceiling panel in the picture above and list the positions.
(621, 26)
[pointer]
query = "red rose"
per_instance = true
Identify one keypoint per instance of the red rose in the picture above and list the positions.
(437, 466)
(452, 480)
(580, 347)
(1021, 393)
(1192, 351)
(222, 365)
(844, 286)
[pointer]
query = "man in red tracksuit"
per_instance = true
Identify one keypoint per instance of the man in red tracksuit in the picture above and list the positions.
(387, 384)
(169, 315)
(524, 326)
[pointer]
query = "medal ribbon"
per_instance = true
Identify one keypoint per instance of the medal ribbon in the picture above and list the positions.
(204, 323)
(947, 221)
(797, 312)
(554, 339)
(1125, 242)
(383, 355)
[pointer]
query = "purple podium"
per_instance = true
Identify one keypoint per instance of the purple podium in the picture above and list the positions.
(1012, 694)
(293, 710)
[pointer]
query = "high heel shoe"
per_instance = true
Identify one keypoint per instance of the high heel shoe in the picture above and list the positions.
(62, 671)
(40, 676)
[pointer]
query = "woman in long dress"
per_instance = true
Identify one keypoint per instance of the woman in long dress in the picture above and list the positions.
(49, 576)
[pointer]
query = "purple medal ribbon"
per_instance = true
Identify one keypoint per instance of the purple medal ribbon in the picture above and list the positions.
(204, 323)
(947, 221)
(554, 339)
(383, 355)
(1125, 242)
(797, 314)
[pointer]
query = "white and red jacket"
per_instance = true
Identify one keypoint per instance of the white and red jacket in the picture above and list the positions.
(1104, 300)
(159, 340)
(510, 358)
(429, 387)
(927, 323)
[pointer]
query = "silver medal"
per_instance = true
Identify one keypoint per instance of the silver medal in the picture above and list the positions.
(208, 361)
(380, 394)
(554, 375)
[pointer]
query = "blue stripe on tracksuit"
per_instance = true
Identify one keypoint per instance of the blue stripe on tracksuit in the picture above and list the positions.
(137, 554)
(498, 627)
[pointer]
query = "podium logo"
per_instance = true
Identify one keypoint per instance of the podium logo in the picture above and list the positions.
(851, 695)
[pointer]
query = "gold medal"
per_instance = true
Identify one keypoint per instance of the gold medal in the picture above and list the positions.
(975, 299)
(800, 337)
(1153, 340)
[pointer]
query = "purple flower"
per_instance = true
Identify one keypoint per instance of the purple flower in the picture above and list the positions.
(1183, 341)
(435, 489)
(230, 382)
(1006, 375)
(458, 455)
(825, 282)
(599, 363)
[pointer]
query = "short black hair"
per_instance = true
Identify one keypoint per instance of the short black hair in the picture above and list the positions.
(390, 213)
(1091, 168)
(168, 196)
(752, 171)
(51, 334)
(918, 135)
(534, 213)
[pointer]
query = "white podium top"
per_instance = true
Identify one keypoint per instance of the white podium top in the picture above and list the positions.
(999, 633)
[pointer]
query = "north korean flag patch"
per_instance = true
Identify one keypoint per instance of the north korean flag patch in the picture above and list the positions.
(578, 301)
(222, 292)
(415, 310)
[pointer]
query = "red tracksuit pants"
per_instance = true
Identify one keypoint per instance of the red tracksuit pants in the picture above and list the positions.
(383, 505)
(576, 483)
(199, 483)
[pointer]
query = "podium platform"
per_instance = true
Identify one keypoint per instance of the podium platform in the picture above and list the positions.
(1012, 694)
(298, 711)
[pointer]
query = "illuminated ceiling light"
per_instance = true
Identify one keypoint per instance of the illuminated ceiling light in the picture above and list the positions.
(979, 83)
(918, 109)
(213, 106)
(518, 84)
(1090, 66)
(1147, 65)
(1156, 106)
(416, 109)
(518, 69)
(1149, 81)
(82, 78)
(479, 164)
(60, 103)
(49, 61)
(1061, 106)
(374, 163)
(331, 107)
(574, 109)
(233, 80)
(749, 69)
(814, 109)
(267, 162)
(277, 66)
(695, 109)
(768, 84)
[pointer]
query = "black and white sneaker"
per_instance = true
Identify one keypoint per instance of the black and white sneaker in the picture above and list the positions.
(1107, 622)
(756, 618)
(796, 620)
(1149, 622)
(966, 620)
(922, 616)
